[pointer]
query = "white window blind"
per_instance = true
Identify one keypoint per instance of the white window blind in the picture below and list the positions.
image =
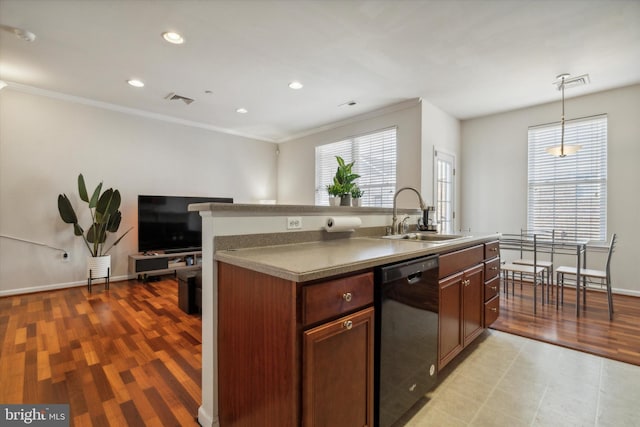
(375, 161)
(569, 194)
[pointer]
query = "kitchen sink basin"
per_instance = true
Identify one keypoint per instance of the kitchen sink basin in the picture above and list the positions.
(426, 237)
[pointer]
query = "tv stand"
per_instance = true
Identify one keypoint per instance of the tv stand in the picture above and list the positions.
(158, 263)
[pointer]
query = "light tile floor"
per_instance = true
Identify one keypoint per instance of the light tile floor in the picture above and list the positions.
(507, 380)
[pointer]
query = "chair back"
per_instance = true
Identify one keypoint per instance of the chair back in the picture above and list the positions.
(612, 245)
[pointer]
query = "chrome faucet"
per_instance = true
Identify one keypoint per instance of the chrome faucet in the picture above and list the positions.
(395, 224)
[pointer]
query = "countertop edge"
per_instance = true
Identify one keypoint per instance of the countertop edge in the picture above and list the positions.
(230, 257)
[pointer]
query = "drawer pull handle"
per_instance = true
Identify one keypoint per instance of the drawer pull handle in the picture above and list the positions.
(493, 309)
(494, 268)
(347, 296)
(466, 282)
(348, 324)
(494, 288)
(494, 249)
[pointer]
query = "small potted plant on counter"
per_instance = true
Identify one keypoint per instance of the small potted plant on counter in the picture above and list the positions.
(335, 191)
(345, 178)
(356, 195)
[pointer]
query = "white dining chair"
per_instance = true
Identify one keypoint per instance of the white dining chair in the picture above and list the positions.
(534, 271)
(590, 277)
(546, 264)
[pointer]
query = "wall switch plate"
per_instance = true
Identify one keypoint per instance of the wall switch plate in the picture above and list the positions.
(294, 222)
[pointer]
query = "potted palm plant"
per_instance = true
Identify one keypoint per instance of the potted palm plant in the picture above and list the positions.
(105, 220)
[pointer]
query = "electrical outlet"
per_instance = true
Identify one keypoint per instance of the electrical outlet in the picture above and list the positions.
(294, 222)
(66, 257)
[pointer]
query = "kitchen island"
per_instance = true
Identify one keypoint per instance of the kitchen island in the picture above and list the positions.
(283, 338)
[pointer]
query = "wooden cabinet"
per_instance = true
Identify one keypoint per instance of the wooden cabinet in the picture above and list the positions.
(293, 354)
(450, 341)
(461, 312)
(492, 282)
(469, 297)
(337, 372)
(472, 303)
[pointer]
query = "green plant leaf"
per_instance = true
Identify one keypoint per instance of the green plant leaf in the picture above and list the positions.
(82, 189)
(114, 222)
(67, 213)
(96, 233)
(95, 196)
(77, 230)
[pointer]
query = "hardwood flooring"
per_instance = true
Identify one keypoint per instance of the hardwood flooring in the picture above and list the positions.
(126, 356)
(592, 332)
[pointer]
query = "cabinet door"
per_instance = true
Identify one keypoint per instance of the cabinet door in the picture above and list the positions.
(337, 363)
(450, 328)
(472, 303)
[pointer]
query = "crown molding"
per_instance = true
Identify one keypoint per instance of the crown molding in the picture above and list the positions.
(19, 87)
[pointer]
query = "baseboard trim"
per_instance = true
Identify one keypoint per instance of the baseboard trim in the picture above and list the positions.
(205, 420)
(57, 286)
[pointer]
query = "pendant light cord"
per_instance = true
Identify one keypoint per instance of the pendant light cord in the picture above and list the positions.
(562, 123)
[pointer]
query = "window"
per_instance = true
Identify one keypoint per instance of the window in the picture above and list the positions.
(445, 184)
(569, 194)
(375, 161)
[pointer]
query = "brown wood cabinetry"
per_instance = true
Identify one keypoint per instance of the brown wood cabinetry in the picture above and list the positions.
(469, 297)
(337, 379)
(292, 354)
(492, 282)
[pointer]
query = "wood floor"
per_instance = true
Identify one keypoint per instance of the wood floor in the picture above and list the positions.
(126, 356)
(592, 332)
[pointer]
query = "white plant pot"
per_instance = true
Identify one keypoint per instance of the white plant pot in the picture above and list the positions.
(334, 201)
(355, 202)
(98, 267)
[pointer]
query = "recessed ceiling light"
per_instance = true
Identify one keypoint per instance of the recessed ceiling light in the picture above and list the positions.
(135, 83)
(296, 85)
(242, 111)
(173, 37)
(25, 35)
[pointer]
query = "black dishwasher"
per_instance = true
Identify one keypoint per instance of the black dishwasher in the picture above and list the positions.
(406, 345)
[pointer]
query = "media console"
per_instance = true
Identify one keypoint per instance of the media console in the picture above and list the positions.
(145, 265)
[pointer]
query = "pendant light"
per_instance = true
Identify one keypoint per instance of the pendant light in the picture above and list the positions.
(562, 150)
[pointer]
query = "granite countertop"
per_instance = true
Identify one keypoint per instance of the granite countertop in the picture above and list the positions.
(302, 262)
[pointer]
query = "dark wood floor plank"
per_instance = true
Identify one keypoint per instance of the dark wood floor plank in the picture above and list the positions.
(592, 332)
(126, 356)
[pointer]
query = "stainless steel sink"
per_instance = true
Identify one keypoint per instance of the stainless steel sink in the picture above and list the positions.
(426, 237)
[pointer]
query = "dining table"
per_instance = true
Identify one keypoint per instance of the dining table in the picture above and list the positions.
(551, 242)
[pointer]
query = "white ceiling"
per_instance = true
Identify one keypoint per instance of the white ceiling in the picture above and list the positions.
(469, 58)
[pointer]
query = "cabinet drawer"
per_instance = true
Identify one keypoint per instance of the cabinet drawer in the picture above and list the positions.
(491, 249)
(329, 299)
(460, 260)
(491, 288)
(491, 269)
(491, 311)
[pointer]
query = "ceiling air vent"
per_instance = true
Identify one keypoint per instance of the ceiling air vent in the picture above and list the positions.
(570, 82)
(175, 97)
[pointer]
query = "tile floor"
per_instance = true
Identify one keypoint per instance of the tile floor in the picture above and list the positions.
(507, 380)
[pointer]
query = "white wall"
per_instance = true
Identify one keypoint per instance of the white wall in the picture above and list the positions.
(296, 162)
(46, 142)
(440, 131)
(494, 164)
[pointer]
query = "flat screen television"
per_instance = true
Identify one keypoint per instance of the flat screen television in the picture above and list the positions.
(165, 223)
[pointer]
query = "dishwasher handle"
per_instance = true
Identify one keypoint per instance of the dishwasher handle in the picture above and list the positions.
(414, 278)
(408, 269)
